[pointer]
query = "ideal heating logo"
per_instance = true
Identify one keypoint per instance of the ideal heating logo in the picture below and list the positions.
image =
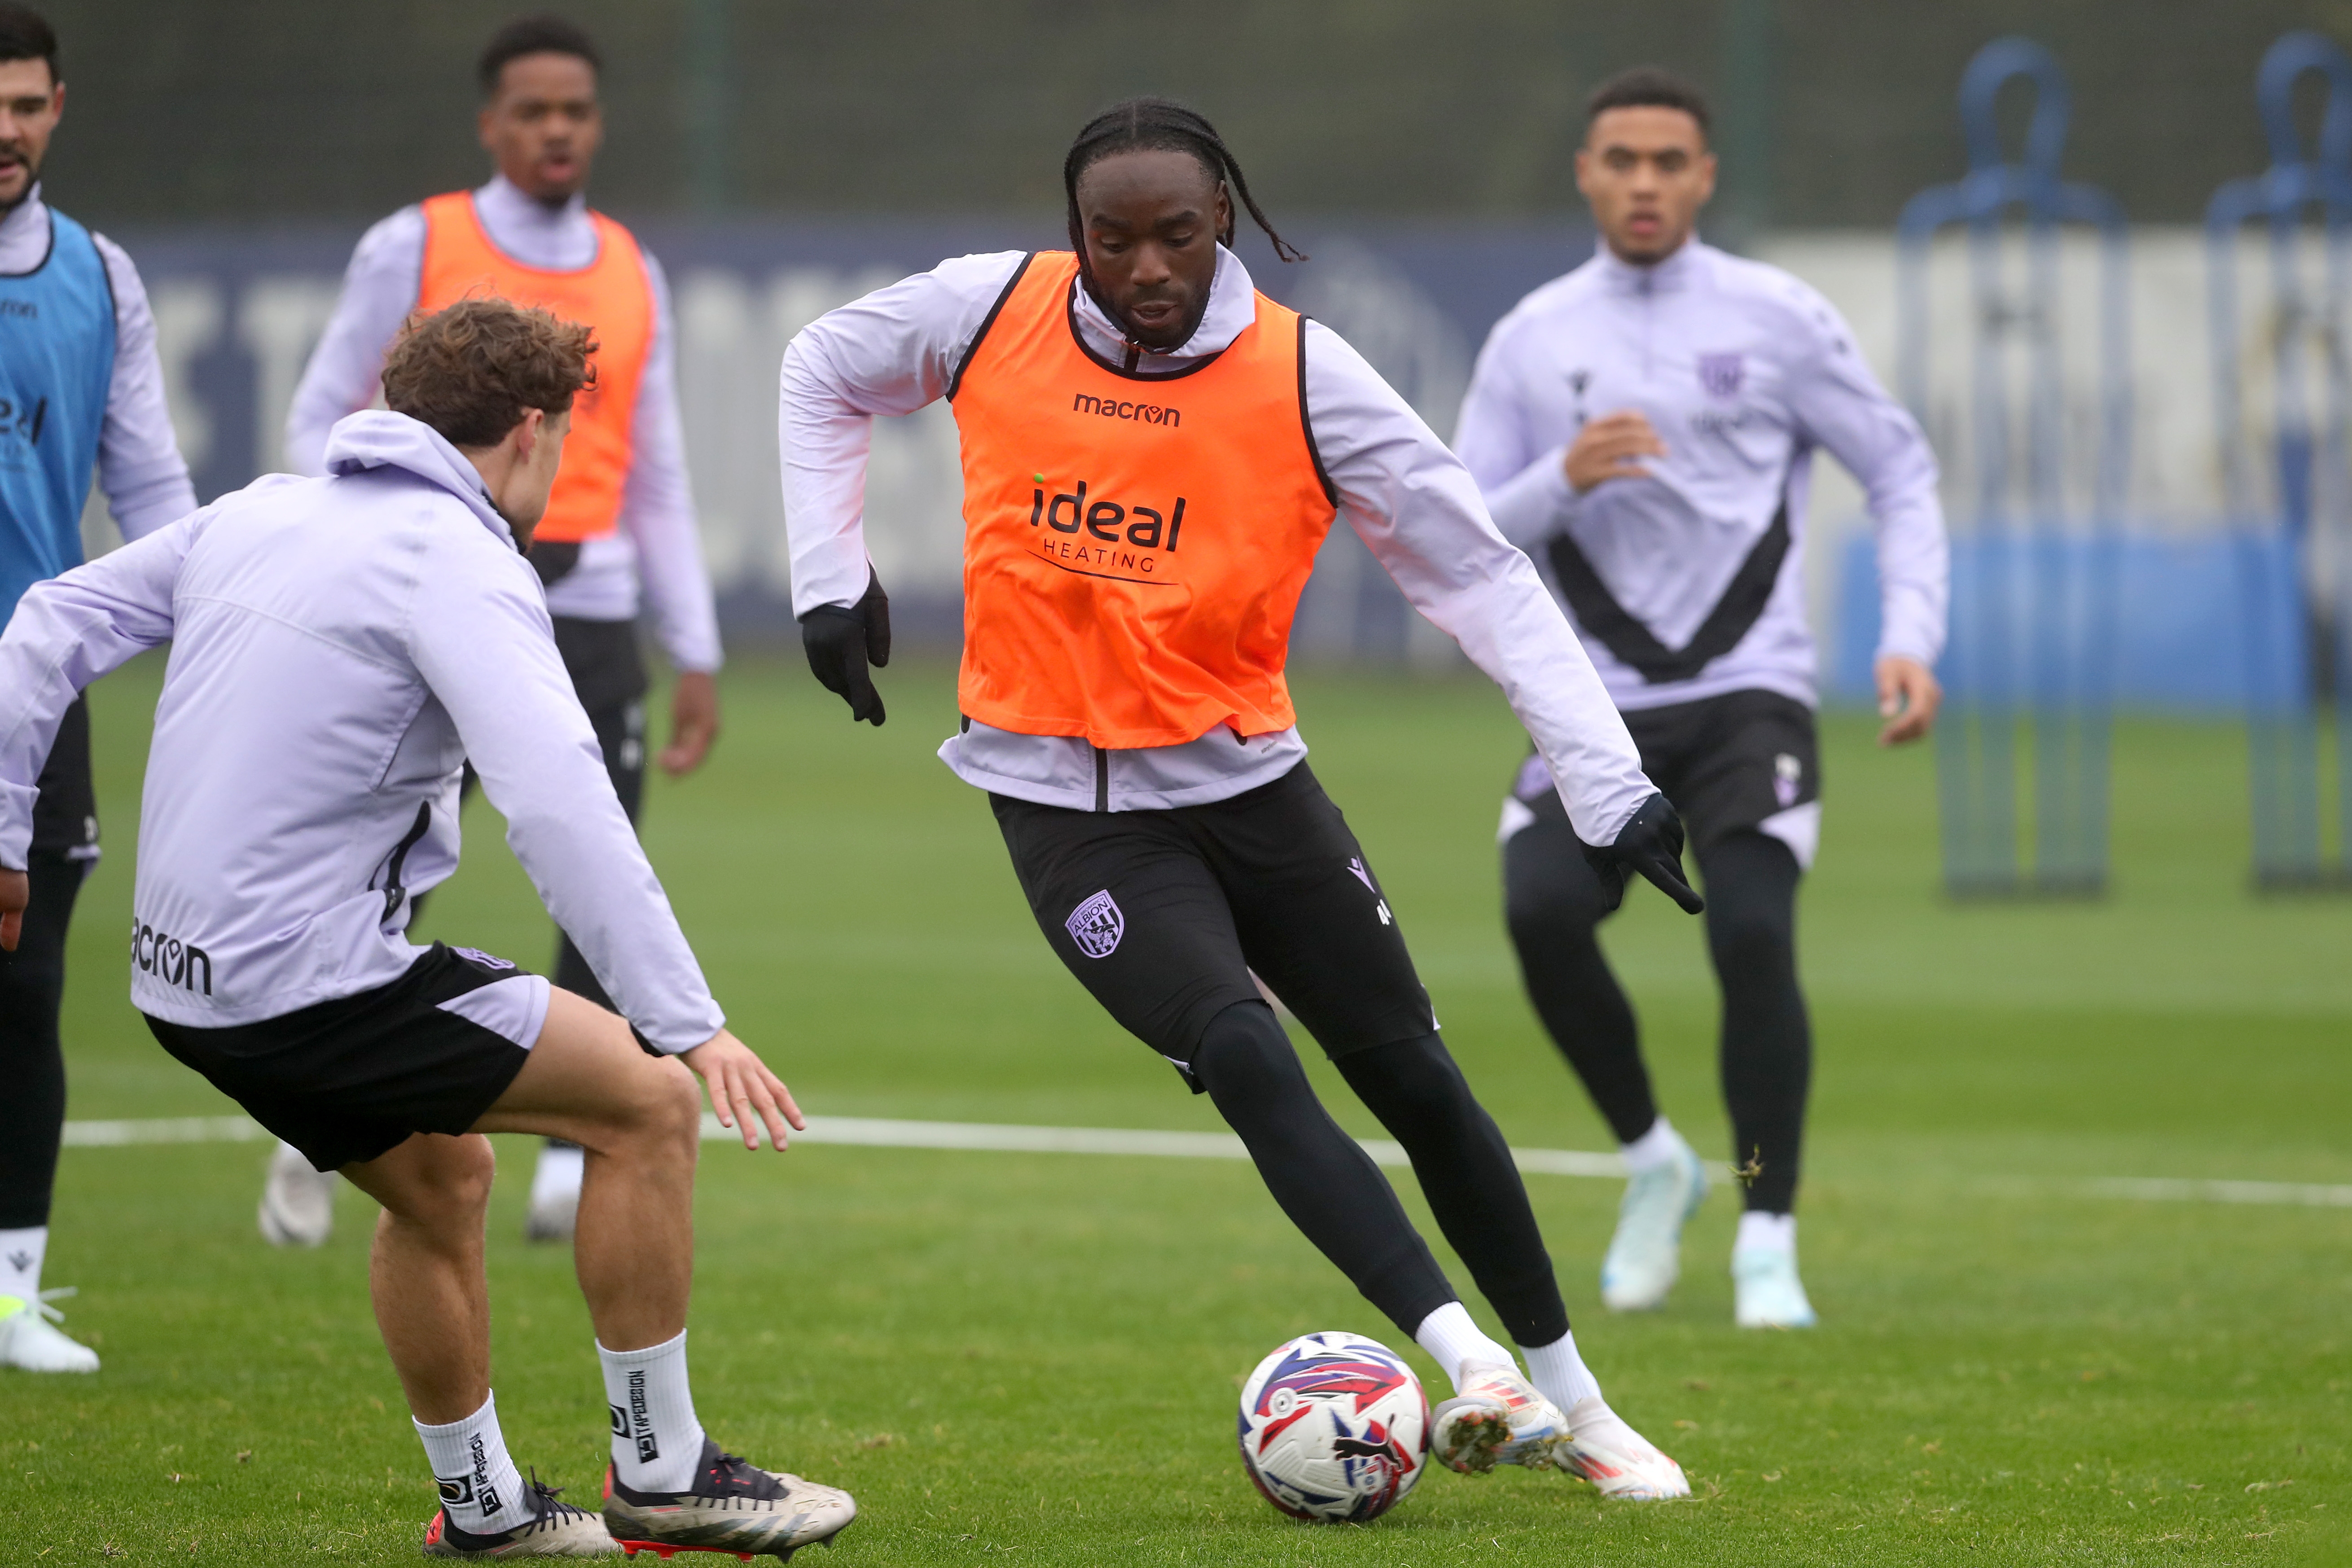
(1107, 520)
(1120, 536)
(169, 960)
(1112, 408)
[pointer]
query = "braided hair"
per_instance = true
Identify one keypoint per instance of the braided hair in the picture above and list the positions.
(1160, 124)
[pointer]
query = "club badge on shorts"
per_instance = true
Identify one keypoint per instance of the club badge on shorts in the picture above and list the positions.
(1097, 925)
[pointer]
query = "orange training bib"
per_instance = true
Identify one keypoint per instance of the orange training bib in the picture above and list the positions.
(1134, 545)
(612, 295)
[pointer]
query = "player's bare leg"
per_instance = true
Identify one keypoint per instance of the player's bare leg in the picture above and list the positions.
(639, 1120)
(433, 1305)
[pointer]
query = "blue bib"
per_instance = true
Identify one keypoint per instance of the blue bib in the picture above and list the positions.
(57, 361)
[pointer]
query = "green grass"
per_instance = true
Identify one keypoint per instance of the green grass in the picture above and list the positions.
(1033, 1358)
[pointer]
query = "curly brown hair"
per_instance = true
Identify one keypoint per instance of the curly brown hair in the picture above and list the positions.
(469, 370)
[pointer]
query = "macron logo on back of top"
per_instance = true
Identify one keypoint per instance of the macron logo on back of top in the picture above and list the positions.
(1112, 408)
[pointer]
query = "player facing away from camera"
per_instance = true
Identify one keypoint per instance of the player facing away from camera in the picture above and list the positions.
(1644, 426)
(80, 389)
(1153, 451)
(339, 647)
(620, 531)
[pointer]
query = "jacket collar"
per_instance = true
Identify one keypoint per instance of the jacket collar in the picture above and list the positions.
(376, 439)
(1678, 271)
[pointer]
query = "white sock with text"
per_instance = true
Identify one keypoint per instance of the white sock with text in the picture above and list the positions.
(480, 1489)
(656, 1438)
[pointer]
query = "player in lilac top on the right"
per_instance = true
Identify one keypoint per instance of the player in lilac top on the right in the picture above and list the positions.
(1645, 428)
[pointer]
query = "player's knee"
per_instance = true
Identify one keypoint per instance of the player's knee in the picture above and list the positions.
(677, 1111)
(1244, 1052)
(663, 1117)
(1751, 936)
(438, 1182)
(1547, 901)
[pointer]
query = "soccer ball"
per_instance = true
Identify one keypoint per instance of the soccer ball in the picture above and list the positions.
(1334, 1429)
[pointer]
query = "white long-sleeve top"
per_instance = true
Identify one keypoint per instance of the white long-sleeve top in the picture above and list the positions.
(139, 464)
(657, 543)
(339, 647)
(1744, 372)
(1407, 497)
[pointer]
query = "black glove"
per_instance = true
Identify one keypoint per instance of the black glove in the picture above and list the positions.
(841, 640)
(1651, 843)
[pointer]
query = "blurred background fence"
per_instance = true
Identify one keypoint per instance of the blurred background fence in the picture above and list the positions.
(782, 157)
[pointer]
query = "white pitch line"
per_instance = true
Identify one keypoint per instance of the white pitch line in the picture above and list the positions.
(876, 1134)
(879, 1133)
(2161, 1189)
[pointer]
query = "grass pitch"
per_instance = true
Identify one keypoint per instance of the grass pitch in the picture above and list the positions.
(1033, 1358)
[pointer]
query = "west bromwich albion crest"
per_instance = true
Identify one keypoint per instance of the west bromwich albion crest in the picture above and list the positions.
(1097, 925)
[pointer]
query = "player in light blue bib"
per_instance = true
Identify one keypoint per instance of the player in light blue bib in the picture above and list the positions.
(81, 389)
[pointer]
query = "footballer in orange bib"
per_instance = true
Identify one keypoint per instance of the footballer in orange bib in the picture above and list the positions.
(1154, 453)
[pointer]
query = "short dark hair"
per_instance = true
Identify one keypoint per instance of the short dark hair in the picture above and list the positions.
(544, 34)
(25, 35)
(1647, 87)
(469, 370)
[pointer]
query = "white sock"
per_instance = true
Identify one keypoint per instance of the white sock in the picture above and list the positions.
(1766, 1231)
(479, 1486)
(557, 1174)
(1652, 1149)
(1454, 1341)
(21, 1252)
(656, 1438)
(1560, 1373)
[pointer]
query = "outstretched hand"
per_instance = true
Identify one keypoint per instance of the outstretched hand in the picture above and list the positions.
(739, 1085)
(1651, 842)
(15, 893)
(841, 640)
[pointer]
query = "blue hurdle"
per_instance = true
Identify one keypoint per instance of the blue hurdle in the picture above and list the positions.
(2292, 545)
(2035, 583)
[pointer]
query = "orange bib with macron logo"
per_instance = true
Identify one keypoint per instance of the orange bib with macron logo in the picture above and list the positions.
(613, 295)
(1134, 545)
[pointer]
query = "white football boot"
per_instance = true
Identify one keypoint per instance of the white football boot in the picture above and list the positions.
(297, 1203)
(555, 1192)
(1498, 1418)
(1614, 1457)
(556, 1528)
(1767, 1292)
(30, 1341)
(732, 1507)
(1645, 1256)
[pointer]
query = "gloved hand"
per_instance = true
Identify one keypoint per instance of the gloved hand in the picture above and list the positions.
(1651, 842)
(841, 640)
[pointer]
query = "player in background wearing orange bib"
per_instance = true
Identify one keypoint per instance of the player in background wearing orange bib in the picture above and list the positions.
(620, 529)
(1152, 452)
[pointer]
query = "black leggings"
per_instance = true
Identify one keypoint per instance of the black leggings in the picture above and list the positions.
(1554, 904)
(32, 1062)
(1332, 1190)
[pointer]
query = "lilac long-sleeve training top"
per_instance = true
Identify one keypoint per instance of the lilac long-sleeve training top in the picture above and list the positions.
(1744, 372)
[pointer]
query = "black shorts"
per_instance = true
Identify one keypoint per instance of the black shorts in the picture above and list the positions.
(602, 657)
(1164, 914)
(349, 1078)
(1730, 764)
(65, 817)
